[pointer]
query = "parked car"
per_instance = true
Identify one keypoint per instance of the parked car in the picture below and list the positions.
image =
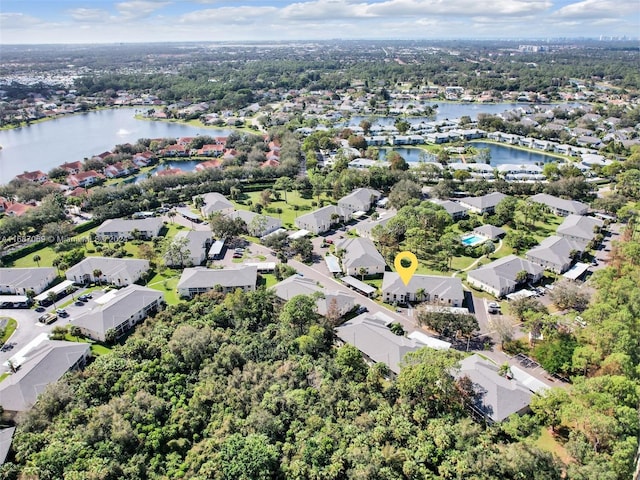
(85, 297)
(48, 318)
(362, 310)
(494, 307)
(79, 304)
(61, 312)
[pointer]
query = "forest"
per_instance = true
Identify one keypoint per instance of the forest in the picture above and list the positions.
(243, 387)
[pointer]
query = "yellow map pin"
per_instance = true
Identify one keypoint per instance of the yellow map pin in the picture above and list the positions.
(406, 272)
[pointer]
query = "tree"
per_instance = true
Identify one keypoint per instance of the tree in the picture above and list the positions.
(51, 298)
(567, 294)
(36, 258)
(246, 457)
(402, 126)
(522, 276)
(503, 327)
(177, 252)
(302, 247)
(226, 228)
(396, 161)
(299, 312)
(505, 210)
(97, 274)
(171, 214)
(403, 192)
(461, 175)
(285, 184)
(362, 271)
(366, 126)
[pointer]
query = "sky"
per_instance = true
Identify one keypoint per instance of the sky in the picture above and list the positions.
(108, 21)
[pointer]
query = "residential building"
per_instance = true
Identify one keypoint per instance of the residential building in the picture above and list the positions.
(116, 229)
(44, 363)
(327, 300)
(457, 211)
(72, 167)
(371, 335)
(115, 271)
(118, 311)
(555, 253)
(84, 179)
(365, 228)
(6, 437)
(321, 220)
(500, 277)
(490, 232)
(580, 229)
(197, 244)
(497, 397)
(484, 204)
(360, 200)
(257, 225)
(422, 288)
(360, 257)
(560, 206)
(214, 202)
(36, 176)
(18, 281)
(195, 281)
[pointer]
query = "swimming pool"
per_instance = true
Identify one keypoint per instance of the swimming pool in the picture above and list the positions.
(472, 239)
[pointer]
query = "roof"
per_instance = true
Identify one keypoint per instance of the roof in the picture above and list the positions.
(200, 277)
(264, 222)
(333, 263)
(452, 208)
(196, 241)
(555, 250)
(361, 196)
(429, 341)
(6, 435)
(498, 397)
(57, 289)
(490, 231)
(486, 201)
(576, 271)
(502, 272)
(43, 365)
(296, 285)
(114, 307)
(215, 202)
(571, 206)
(358, 285)
(109, 266)
(364, 228)
(321, 216)
(360, 252)
(25, 277)
(119, 225)
(216, 248)
(580, 226)
(443, 287)
(372, 337)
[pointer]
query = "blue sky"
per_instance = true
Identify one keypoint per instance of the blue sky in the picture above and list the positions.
(102, 21)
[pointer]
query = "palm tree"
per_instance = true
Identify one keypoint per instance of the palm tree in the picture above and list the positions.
(362, 271)
(97, 273)
(52, 297)
(171, 214)
(420, 294)
(37, 258)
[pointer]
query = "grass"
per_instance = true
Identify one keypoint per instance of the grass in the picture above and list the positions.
(97, 349)
(166, 283)
(8, 330)
(547, 442)
(288, 215)
(3, 376)
(268, 280)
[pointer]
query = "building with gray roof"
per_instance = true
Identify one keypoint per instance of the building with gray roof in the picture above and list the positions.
(322, 219)
(42, 365)
(555, 253)
(117, 229)
(195, 281)
(257, 225)
(215, 202)
(457, 211)
(360, 200)
(116, 271)
(18, 281)
(360, 255)
(197, 243)
(118, 310)
(560, 206)
(423, 288)
(499, 276)
(484, 204)
(580, 229)
(377, 343)
(6, 436)
(490, 231)
(497, 397)
(294, 285)
(364, 228)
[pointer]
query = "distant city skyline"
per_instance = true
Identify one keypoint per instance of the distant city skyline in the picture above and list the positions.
(108, 21)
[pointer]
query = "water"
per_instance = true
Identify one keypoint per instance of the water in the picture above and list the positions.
(472, 240)
(185, 166)
(45, 145)
(443, 112)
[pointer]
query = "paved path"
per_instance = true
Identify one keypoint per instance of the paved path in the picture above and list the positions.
(476, 261)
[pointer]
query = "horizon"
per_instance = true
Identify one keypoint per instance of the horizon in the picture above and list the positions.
(103, 22)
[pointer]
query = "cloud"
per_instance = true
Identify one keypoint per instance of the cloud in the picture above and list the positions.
(136, 9)
(458, 7)
(223, 16)
(18, 21)
(89, 15)
(599, 8)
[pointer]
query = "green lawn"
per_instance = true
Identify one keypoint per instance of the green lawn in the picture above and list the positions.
(8, 330)
(288, 214)
(3, 376)
(97, 349)
(269, 280)
(547, 442)
(166, 283)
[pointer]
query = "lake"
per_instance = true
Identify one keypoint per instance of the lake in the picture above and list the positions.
(500, 154)
(42, 146)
